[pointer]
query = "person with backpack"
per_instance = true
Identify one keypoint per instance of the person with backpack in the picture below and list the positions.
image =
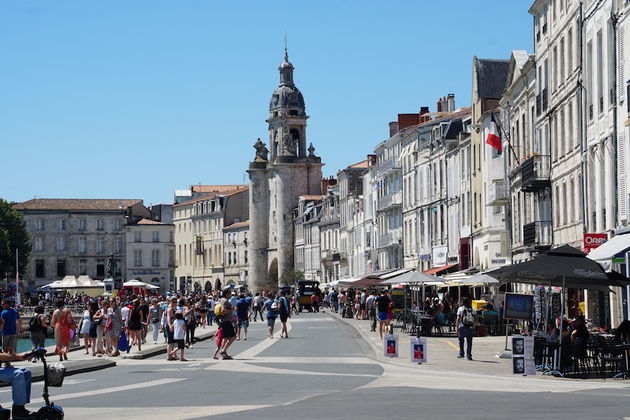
(284, 309)
(465, 323)
(38, 326)
(272, 311)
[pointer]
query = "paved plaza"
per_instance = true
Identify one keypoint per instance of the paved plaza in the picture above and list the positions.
(328, 368)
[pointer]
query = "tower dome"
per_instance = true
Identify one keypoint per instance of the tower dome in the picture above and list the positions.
(287, 98)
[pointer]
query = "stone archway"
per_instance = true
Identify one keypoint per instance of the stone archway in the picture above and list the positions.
(208, 286)
(273, 274)
(217, 284)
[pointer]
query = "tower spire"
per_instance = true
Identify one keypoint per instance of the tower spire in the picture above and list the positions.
(286, 50)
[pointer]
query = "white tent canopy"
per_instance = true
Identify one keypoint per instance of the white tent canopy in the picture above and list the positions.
(138, 283)
(474, 280)
(604, 253)
(412, 277)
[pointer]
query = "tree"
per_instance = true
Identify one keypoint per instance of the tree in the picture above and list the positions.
(13, 235)
(292, 277)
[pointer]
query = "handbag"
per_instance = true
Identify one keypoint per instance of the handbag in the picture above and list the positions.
(109, 324)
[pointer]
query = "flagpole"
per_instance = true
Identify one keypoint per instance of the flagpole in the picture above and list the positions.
(17, 277)
(506, 134)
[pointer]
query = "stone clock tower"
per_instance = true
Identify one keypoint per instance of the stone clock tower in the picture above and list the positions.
(279, 174)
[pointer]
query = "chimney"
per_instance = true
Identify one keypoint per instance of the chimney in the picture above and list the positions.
(393, 128)
(423, 118)
(450, 99)
(439, 105)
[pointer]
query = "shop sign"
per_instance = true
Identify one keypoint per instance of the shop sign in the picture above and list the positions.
(593, 240)
(439, 255)
(425, 257)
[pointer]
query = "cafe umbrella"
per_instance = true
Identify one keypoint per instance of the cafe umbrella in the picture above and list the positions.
(563, 267)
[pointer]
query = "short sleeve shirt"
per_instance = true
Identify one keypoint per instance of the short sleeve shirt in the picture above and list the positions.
(10, 317)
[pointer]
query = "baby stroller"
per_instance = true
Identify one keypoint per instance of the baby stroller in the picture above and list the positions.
(347, 311)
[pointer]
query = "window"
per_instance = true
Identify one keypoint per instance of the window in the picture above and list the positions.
(82, 266)
(117, 224)
(61, 243)
(40, 268)
(118, 240)
(82, 245)
(61, 268)
(82, 224)
(589, 80)
(100, 268)
(245, 257)
(156, 236)
(600, 72)
(137, 236)
(100, 245)
(100, 224)
(155, 258)
(137, 257)
(40, 224)
(39, 244)
(61, 224)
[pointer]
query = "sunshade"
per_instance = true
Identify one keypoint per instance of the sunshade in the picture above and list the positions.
(137, 283)
(562, 266)
(412, 277)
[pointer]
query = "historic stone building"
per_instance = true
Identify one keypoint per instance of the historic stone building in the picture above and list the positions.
(278, 177)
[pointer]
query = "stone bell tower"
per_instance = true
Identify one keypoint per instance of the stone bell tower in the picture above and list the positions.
(278, 176)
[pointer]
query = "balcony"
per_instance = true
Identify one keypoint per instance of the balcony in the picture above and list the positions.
(391, 238)
(535, 173)
(537, 234)
(327, 254)
(388, 165)
(390, 200)
(497, 193)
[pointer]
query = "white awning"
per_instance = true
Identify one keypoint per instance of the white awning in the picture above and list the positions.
(614, 246)
(395, 273)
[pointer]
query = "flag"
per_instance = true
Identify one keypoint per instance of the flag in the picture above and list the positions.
(494, 138)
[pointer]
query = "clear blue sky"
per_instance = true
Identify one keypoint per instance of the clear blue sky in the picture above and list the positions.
(133, 99)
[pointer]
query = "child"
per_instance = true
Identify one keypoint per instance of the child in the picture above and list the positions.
(218, 336)
(179, 334)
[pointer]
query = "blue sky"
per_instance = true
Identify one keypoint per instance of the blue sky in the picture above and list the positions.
(133, 99)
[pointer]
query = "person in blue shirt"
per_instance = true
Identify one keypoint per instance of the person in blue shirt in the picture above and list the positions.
(242, 312)
(284, 308)
(271, 314)
(10, 325)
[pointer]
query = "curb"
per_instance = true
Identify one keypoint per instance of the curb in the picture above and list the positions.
(367, 338)
(161, 349)
(37, 371)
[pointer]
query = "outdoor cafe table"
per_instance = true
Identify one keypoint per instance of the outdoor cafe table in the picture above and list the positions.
(420, 319)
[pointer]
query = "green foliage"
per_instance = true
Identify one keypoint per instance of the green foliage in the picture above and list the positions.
(13, 236)
(293, 277)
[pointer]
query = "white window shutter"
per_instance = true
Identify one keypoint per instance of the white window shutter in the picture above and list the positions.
(621, 81)
(622, 193)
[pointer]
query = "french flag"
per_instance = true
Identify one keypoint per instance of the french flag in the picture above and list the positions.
(494, 138)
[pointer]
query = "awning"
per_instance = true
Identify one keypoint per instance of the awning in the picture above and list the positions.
(442, 269)
(609, 249)
(395, 273)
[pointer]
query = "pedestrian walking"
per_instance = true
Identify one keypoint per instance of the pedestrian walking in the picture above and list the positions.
(191, 323)
(115, 328)
(285, 313)
(227, 325)
(383, 306)
(465, 323)
(242, 312)
(258, 303)
(134, 324)
(272, 311)
(62, 322)
(370, 304)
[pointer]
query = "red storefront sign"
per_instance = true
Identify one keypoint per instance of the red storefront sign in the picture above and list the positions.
(593, 240)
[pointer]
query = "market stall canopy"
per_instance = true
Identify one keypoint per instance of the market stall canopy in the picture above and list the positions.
(474, 280)
(68, 282)
(564, 265)
(414, 277)
(138, 283)
(51, 285)
(443, 269)
(604, 253)
(87, 281)
(347, 282)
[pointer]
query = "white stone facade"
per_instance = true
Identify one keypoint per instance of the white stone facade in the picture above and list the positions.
(150, 253)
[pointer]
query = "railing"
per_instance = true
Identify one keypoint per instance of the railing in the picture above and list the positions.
(387, 165)
(535, 172)
(537, 234)
(390, 200)
(390, 238)
(497, 193)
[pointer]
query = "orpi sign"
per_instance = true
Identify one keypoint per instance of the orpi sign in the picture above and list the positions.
(593, 240)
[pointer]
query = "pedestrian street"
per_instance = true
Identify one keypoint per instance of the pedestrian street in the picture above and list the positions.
(324, 370)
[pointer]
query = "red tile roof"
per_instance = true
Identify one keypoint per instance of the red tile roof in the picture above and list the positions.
(150, 222)
(363, 164)
(227, 193)
(311, 197)
(219, 189)
(76, 204)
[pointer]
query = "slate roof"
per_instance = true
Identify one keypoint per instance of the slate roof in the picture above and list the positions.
(491, 77)
(76, 204)
(237, 225)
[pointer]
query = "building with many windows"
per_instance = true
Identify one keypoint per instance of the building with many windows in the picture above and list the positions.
(76, 236)
(150, 253)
